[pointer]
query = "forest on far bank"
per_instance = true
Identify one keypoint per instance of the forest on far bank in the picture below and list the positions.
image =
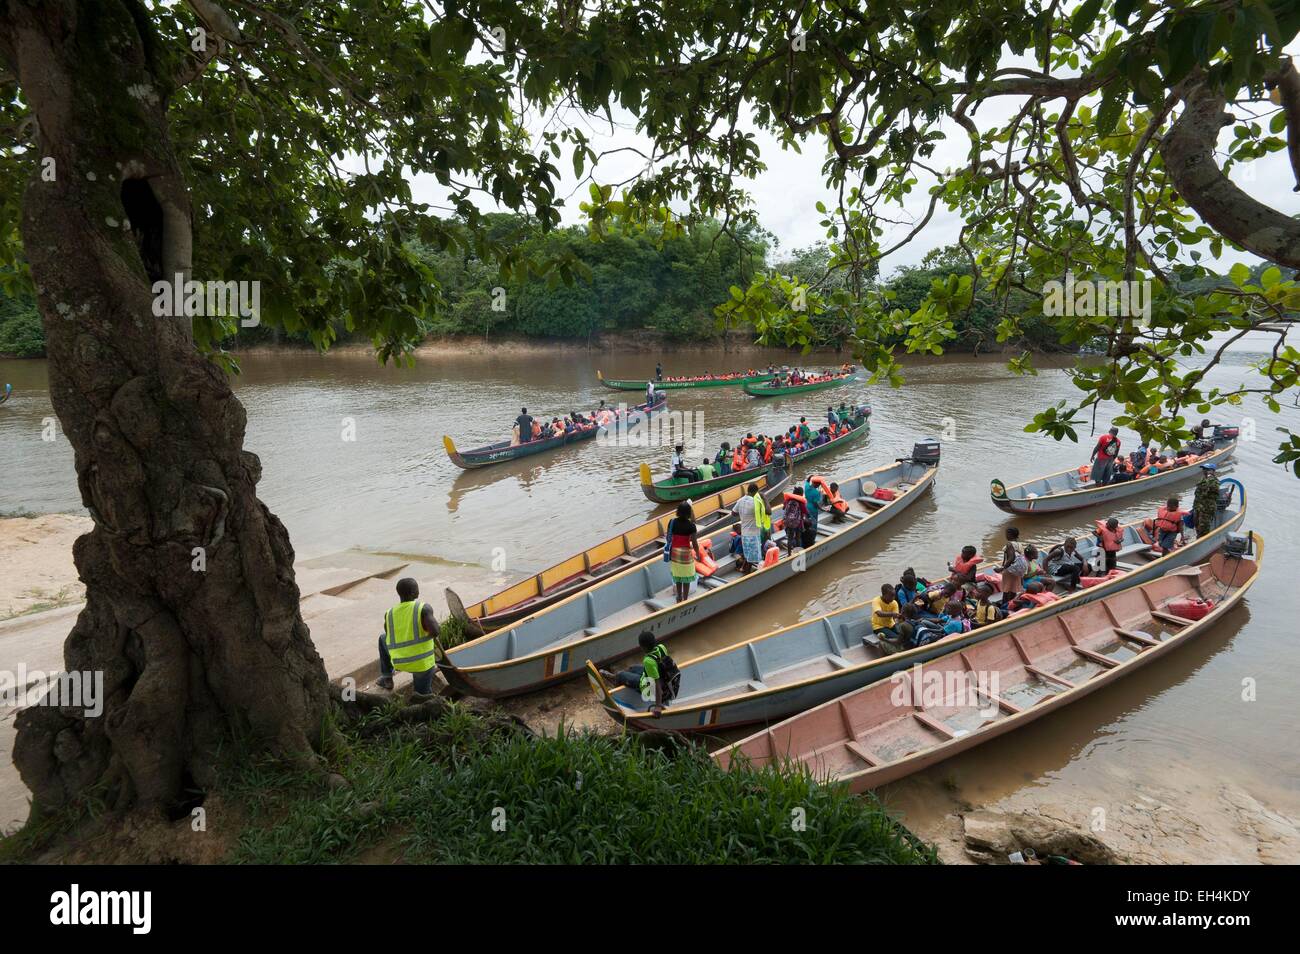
(638, 282)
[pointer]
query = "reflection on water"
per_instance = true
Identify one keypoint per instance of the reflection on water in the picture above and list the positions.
(393, 489)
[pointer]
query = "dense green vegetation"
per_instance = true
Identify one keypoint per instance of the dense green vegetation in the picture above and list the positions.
(462, 790)
(21, 334)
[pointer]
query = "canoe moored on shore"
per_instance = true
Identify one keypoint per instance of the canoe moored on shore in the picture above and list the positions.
(718, 382)
(891, 729)
(1067, 490)
(578, 572)
(602, 623)
(772, 389)
(673, 489)
(773, 676)
(502, 451)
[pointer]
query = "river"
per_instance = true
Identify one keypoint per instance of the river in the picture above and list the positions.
(352, 457)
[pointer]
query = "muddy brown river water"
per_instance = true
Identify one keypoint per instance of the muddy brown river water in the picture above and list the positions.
(1214, 721)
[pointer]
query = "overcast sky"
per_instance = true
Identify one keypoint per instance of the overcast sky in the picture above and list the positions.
(786, 194)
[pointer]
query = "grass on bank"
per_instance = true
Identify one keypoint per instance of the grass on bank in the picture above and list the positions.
(454, 791)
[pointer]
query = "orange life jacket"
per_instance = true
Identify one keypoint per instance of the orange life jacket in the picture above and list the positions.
(705, 565)
(1111, 540)
(738, 459)
(1038, 599)
(537, 429)
(835, 499)
(1169, 521)
(772, 555)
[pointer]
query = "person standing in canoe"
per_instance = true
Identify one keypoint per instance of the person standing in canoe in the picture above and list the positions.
(795, 520)
(654, 678)
(1104, 456)
(805, 432)
(751, 511)
(1205, 505)
(649, 393)
(1111, 538)
(1014, 566)
(407, 644)
(659, 371)
(525, 424)
(683, 551)
(812, 496)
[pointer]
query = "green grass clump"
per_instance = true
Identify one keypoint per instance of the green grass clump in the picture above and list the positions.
(460, 790)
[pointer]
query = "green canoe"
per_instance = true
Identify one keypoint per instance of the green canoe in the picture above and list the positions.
(780, 390)
(671, 385)
(675, 489)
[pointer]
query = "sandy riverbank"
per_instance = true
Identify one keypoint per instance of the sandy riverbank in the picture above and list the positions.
(36, 570)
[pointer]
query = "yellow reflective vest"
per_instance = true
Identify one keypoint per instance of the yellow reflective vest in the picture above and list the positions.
(409, 647)
(761, 516)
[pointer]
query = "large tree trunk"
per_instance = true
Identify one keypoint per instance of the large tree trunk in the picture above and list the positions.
(193, 660)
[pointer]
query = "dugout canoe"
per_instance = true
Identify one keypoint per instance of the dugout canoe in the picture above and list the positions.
(502, 451)
(778, 674)
(674, 489)
(891, 729)
(601, 624)
(1069, 490)
(582, 570)
(768, 390)
(722, 382)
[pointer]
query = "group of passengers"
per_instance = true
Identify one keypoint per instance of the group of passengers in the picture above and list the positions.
(752, 540)
(1108, 466)
(528, 428)
(798, 376)
(759, 450)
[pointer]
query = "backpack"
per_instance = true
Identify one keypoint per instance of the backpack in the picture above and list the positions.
(925, 632)
(670, 677)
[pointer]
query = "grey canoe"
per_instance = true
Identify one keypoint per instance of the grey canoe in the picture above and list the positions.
(773, 676)
(602, 623)
(1068, 490)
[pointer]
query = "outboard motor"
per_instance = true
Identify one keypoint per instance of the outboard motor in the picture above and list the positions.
(1225, 496)
(1224, 433)
(1236, 545)
(925, 452)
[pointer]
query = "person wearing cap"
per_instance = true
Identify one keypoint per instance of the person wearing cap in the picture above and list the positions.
(1205, 505)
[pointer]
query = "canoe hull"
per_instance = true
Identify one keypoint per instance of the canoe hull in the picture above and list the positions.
(782, 702)
(876, 776)
(665, 493)
(509, 615)
(1075, 500)
(504, 451)
(533, 672)
(764, 392)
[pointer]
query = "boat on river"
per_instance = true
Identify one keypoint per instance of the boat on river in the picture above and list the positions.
(674, 489)
(601, 624)
(1072, 489)
(775, 387)
(583, 570)
(502, 451)
(9, 388)
(775, 675)
(703, 381)
(891, 729)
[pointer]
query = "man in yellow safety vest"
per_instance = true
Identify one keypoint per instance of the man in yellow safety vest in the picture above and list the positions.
(407, 643)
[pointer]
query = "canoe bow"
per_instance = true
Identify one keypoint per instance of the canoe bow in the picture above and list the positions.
(450, 445)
